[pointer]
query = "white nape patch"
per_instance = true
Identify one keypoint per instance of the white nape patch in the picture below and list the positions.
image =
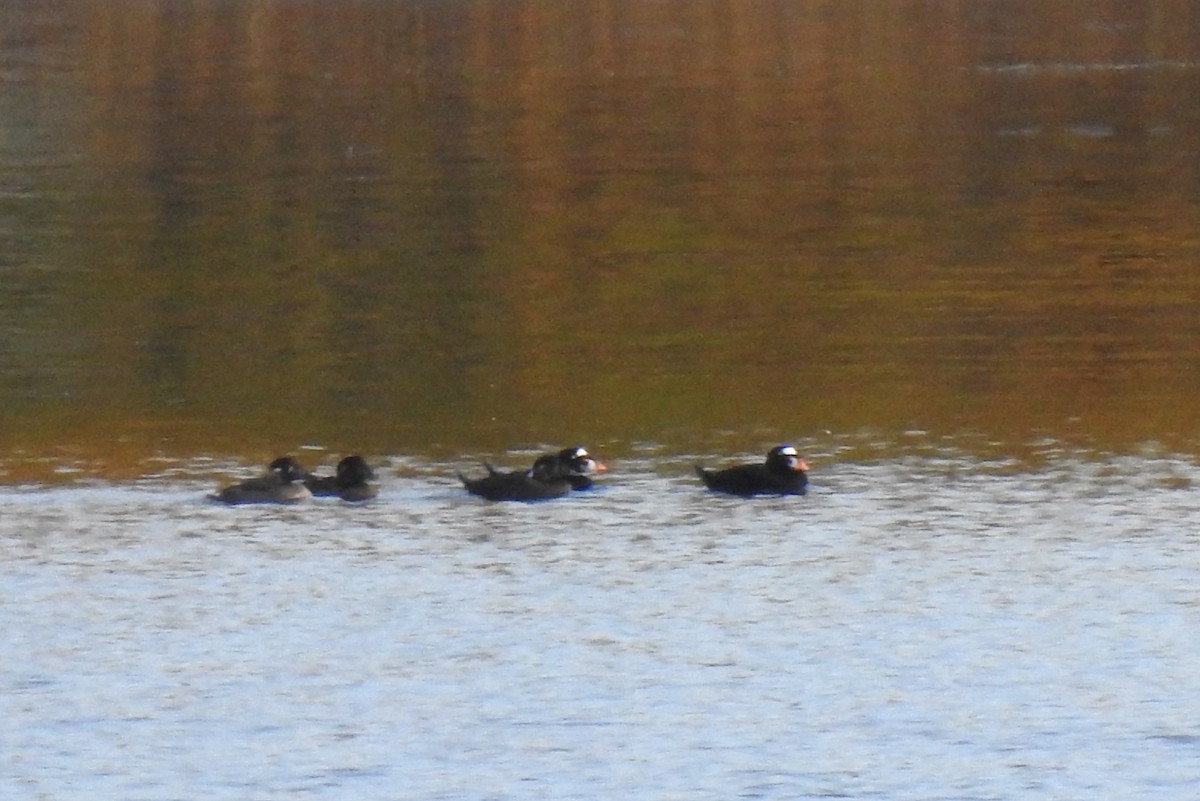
(788, 451)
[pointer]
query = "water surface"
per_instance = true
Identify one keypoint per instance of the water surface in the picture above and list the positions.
(428, 228)
(919, 629)
(948, 249)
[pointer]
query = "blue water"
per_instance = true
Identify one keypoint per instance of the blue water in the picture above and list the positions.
(939, 627)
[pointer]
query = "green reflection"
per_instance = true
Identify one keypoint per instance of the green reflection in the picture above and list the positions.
(453, 228)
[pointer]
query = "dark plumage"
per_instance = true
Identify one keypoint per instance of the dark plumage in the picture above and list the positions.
(783, 473)
(283, 483)
(552, 476)
(577, 466)
(350, 483)
(538, 484)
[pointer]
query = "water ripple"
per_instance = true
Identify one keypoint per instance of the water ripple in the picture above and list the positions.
(927, 626)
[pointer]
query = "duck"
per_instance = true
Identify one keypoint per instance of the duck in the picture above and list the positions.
(283, 483)
(577, 466)
(783, 473)
(351, 482)
(541, 483)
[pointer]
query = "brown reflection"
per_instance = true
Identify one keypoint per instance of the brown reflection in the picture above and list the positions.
(449, 227)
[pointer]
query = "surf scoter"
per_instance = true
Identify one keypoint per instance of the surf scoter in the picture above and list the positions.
(283, 483)
(552, 476)
(577, 466)
(350, 483)
(541, 483)
(783, 473)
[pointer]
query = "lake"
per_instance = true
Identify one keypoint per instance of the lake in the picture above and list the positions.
(429, 228)
(933, 627)
(947, 249)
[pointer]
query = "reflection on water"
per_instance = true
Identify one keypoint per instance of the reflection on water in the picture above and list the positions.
(436, 228)
(947, 249)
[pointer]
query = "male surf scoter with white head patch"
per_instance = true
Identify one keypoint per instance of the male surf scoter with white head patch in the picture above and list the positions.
(783, 473)
(552, 476)
(577, 466)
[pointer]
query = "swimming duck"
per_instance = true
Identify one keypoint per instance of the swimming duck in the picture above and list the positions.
(577, 466)
(552, 475)
(783, 473)
(283, 483)
(541, 483)
(350, 483)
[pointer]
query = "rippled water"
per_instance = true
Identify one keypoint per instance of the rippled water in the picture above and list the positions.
(932, 627)
(231, 230)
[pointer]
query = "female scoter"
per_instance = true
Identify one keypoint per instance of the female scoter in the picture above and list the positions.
(783, 473)
(552, 476)
(283, 483)
(350, 483)
(539, 484)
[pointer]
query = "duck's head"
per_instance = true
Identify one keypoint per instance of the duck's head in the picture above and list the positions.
(354, 470)
(785, 459)
(288, 469)
(578, 462)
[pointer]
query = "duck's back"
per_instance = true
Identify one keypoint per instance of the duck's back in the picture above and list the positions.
(517, 486)
(263, 490)
(753, 479)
